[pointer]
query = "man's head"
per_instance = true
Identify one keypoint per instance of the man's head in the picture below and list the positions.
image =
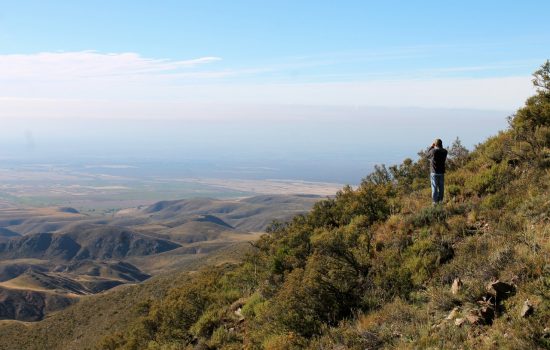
(438, 143)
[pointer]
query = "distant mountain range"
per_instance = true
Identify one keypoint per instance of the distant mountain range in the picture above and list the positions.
(50, 257)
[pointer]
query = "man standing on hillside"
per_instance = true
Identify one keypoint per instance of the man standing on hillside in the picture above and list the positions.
(437, 156)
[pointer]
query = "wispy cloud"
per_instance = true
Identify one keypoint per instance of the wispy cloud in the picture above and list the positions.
(93, 84)
(90, 64)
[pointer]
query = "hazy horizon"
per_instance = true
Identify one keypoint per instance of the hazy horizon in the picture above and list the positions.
(340, 145)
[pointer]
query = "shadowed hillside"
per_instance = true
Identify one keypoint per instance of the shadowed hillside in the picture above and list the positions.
(30, 305)
(6, 233)
(94, 242)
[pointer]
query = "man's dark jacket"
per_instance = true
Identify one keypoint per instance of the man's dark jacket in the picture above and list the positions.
(437, 157)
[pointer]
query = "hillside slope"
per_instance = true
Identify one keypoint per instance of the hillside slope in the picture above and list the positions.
(84, 324)
(377, 267)
(29, 304)
(380, 267)
(248, 214)
(91, 242)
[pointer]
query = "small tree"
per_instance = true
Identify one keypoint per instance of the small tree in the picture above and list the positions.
(541, 78)
(531, 124)
(458, 154)
(380, 175)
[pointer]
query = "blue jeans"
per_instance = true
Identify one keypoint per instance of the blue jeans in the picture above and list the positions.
(438, 187)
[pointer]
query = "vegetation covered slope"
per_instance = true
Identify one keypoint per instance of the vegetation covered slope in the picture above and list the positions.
(83, 324)
(379, 267)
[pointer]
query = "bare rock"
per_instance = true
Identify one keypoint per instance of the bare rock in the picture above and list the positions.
(239, 314)
(238, 304)
(457, 285)
(453, 314)
(459, 322)
(237, 308)
(527, 309)
(474, 318)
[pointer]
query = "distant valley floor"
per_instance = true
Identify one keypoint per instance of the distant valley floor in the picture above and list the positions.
(107, 189)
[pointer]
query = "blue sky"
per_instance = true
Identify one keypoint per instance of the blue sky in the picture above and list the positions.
(267, 53)
(247, 31)
(346, 39)
(355, 65)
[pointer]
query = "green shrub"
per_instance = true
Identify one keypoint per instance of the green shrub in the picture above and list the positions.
(424, 256)
(345, 336)
(223, 338)
(454, 190)
(389, 277)
(396, 320)
(250, 308)
(287, 341)
(496, 148)
(493, 201)
(428, 216)
(536, 208)
(207, 323)
(490, 180)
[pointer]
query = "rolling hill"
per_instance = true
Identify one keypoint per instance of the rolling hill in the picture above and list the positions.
(58, 252)
(249, 214)
(82, 324)
(89, 242)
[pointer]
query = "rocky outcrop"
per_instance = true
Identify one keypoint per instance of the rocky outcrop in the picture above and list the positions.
(457, 285)
(527, 309)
